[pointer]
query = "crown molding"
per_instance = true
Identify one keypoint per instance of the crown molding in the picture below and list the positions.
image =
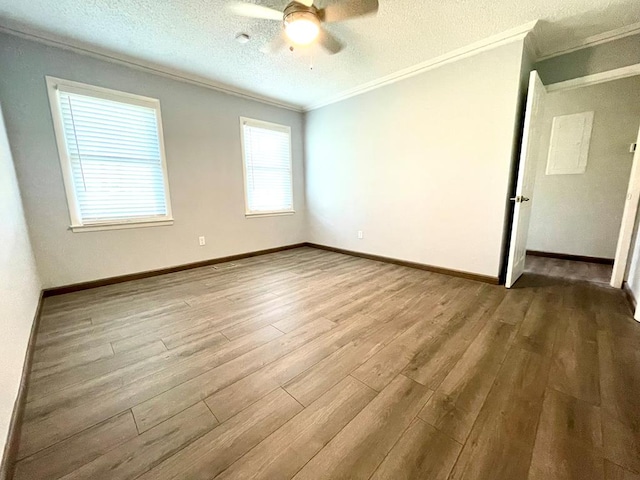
(526, 32)
(136, 63)
(596, 78)
(531, 46)
(594, 40)
(514, 34)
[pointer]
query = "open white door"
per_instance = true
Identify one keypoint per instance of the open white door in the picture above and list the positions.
(529, 153)
(628, 222)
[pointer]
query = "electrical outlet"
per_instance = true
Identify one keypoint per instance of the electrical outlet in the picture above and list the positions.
(202, 241)
(360, 235)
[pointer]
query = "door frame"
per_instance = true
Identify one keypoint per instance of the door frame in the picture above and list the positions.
(628, 222)
(631, 206)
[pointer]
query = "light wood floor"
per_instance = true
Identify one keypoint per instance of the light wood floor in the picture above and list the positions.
(314, 365)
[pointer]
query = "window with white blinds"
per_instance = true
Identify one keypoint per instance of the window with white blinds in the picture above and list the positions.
(112, 155)
(266, 148)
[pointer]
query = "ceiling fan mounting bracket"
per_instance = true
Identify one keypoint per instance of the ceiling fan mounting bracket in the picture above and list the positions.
(303, 22)
(295, 7)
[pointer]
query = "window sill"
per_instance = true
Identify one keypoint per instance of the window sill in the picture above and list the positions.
(269, 214)
(119, 226)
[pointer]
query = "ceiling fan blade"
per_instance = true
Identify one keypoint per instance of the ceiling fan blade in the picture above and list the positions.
(344, 10)
(330, 43)
(255, 11)
(278, 43)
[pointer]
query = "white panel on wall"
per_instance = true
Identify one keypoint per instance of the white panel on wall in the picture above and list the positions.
(581, 214)
(569, 146)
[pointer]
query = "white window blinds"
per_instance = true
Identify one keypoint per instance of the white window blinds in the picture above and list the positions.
(114, 156)
(267, 167)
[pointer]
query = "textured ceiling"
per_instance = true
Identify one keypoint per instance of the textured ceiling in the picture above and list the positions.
(197, 36)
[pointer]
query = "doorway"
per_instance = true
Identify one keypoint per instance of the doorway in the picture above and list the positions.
(576, 197)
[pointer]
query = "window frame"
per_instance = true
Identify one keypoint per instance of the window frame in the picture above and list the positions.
(275, 127)
(75, 217)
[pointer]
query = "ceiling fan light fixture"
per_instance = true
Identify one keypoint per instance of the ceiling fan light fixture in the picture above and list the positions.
(302, 27)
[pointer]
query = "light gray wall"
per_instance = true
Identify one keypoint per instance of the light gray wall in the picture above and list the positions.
(599, 58)
(421, 166)
(19, 287)
(202, 139)
(581, 214)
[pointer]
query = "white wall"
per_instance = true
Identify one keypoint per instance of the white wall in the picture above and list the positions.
(581, 214)
(19, 287)
(421, 166)
(202, 139)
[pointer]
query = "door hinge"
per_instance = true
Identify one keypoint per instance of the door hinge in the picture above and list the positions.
(519, 199)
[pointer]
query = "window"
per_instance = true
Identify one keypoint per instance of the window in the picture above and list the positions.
(266, 151)
(112, 156)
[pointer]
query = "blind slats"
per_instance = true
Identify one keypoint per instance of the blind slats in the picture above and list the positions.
(267, 158)
(116, 162)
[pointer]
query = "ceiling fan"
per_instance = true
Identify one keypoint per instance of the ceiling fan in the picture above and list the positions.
(302, 20)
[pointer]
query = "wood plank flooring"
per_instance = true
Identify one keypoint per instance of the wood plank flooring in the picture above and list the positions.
(569, 269)
(309, 364)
